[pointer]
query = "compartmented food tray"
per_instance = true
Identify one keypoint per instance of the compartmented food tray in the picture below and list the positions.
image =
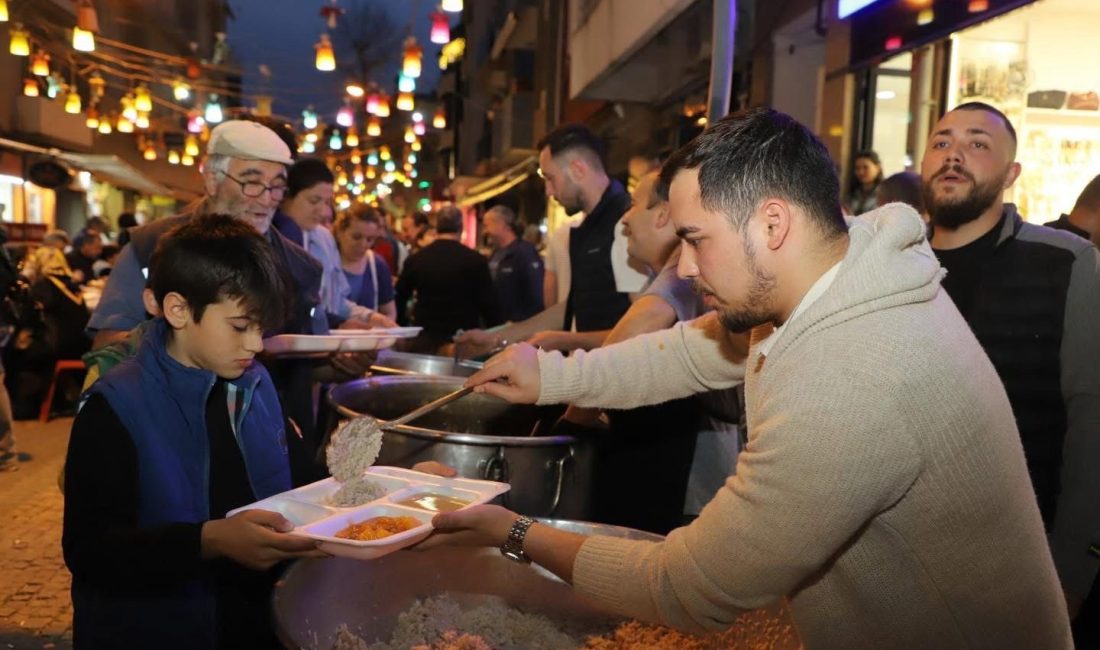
(408, 493)
(338, 341)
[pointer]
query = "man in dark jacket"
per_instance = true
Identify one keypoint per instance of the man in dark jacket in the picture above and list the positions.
(516, 267)
(1031, 295)
(1084, 219)
(451, 284)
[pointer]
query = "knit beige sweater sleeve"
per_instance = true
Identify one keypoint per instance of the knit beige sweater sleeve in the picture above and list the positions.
(686, 359)
(801, 490)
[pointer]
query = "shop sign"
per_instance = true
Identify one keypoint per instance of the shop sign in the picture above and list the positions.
(882, 28)
(48, 174)
(845, 8)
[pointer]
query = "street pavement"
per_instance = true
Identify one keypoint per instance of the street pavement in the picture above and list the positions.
(35, 607)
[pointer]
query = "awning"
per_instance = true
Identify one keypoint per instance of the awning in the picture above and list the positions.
(498, 184)
(117, 172)
(110, 169)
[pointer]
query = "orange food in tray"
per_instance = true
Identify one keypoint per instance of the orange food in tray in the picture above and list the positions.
(378, 527)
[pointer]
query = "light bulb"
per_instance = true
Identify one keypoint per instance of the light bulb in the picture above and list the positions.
(181, 90)
(173, 157)
(143, 101)
(20, 41)
(374, 127)
(191, 146)
(83, 40)
(405, 84)
(30, 87)
(40, 64)
(405, 102)
(142, 121)
(354, 89)
(124, 125)
(72, 102)
(326, 59)
(213, 112)
(309, 119)
(439, 121)
(105, 126)
(452, 6)
(150, 153)
(353, 139)
(441, 29)
(187, 160)
(344, 117)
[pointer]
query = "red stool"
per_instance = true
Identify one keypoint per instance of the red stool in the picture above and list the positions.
(63, 365)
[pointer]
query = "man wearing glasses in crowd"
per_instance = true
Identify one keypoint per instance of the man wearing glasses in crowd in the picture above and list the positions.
(244, 175)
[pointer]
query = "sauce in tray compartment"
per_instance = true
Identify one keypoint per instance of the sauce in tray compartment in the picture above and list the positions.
(377, 528)
(434, 502)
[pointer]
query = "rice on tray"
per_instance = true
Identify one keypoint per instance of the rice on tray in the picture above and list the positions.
(440, 623)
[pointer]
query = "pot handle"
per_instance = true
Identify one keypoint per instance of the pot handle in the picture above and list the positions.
(560, 481)
(496, 468)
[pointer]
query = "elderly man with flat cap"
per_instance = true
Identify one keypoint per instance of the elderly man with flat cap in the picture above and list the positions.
(244, 175)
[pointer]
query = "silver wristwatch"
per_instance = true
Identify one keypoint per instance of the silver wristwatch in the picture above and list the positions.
(513, 546)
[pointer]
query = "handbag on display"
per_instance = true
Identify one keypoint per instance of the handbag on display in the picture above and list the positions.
(1087, 101)
(1046, 99)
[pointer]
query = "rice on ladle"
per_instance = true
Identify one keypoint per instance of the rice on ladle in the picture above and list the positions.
(353, 449)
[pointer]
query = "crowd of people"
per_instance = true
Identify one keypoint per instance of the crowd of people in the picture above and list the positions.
(883, 408)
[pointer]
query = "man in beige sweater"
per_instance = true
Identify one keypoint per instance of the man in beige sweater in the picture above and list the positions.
(882, 490)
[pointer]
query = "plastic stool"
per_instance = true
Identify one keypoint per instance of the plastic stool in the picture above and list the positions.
(61, 366)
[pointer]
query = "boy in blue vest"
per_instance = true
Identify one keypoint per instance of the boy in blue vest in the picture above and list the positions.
(170, 440)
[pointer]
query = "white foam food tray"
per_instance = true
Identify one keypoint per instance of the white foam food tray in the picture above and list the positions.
(338, 340)
(310, 510)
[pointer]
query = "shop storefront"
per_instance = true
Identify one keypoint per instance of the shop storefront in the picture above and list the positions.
(1038, 61)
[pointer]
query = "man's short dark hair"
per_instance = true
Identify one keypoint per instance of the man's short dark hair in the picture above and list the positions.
(127, 220)
(904, 187)
(574, 138)
(756, 154)
(306, 173)
(1089, 199)
(217, 257)
(508, 216)
(982, 106)
(448, 220)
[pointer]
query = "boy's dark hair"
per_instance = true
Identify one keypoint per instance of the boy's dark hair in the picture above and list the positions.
(749, 156)
(982, 106)
(448, 220)
(217, 257)
(306, 173)
(577, 138)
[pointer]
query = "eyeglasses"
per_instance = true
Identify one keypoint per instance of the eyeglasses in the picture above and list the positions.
(256, 189)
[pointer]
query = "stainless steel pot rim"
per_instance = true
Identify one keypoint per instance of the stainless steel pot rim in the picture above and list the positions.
(468, 438)
(436, 435)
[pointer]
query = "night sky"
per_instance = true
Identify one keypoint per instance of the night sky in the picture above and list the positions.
(281, 34)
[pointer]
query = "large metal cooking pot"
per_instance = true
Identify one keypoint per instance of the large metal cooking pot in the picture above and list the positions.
(482, 437)
(317, 596)
(392, 362)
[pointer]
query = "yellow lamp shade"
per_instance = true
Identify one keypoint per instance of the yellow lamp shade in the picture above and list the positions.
(410, 62)
(374, 127)
(143, 101)
(72, 103)
(150, 152)
(439, 121)
(187, 160)
(3, 11)
(326, 59)
(20, 42)
(452, 6)
(124, 125)
(383, 109)
(105, 126)
(40, 64)
(191, 146)
(410, 137)
(405, 102)
(30, 87)
(83, 40)
(173, 157)
(352, 140)
(91, 120)
(142, 121)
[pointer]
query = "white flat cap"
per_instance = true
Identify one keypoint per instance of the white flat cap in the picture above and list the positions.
(248, 141)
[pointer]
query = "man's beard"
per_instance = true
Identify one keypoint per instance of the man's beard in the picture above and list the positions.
(755, 308)
(953, 212)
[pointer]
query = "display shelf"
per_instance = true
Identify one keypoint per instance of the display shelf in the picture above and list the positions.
(1061, 117)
